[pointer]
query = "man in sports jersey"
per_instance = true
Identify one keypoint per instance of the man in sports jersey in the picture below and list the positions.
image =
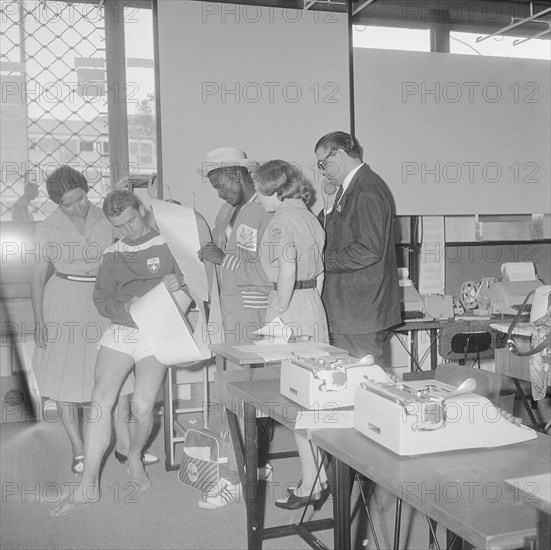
(130, 268)
(240, 224)
(244, 287)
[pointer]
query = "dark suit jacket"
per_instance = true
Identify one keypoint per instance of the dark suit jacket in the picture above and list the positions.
(361, 292)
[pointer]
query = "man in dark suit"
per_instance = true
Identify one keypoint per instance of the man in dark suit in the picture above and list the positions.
(361, 293)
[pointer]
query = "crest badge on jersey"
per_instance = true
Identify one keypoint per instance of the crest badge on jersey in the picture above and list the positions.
(276, 233)
(153, 264)
(246, 237)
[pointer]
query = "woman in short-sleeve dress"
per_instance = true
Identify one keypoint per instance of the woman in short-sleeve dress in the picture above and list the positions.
(291, 255)
(67, 325)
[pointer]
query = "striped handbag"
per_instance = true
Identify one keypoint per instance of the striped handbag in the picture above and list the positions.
(200, 466)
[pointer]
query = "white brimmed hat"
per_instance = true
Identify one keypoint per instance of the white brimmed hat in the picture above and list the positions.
(225, 157)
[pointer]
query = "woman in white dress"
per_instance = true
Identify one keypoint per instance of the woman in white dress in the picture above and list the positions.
(70, 244)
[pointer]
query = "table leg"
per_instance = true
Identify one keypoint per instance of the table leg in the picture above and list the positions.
(238, 446)
(397, 524)
(246, 455)
(341, 505)
(252, 488)
(433, 542)
(543, 527)
(206, 397)
(528, 408)
(414, 352)
(220, 368)
(168, 420)
(453, 542)
(433, 348)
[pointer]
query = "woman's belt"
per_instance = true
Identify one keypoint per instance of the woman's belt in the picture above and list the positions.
(77, 278)
(301, 285)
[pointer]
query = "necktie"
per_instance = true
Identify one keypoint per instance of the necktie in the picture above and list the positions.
(338, 197)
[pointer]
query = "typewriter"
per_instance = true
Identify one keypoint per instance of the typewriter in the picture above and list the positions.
(428, 416)
(329, 381)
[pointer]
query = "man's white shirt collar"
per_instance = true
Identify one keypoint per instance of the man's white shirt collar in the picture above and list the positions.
(346, 183)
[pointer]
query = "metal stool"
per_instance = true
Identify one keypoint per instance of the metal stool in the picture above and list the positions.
(170, 438)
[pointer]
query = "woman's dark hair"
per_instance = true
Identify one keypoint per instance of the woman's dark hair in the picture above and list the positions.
(62, 180)
(284, 179)
(118, 201)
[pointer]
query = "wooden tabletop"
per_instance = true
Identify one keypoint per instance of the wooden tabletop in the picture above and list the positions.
(419, 324)
(535, 490)
(265, 396)
(465, 490)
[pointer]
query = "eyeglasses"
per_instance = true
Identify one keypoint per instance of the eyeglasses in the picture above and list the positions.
(322, 164)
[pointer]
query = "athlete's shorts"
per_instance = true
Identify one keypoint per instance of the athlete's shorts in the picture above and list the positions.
(127, 340)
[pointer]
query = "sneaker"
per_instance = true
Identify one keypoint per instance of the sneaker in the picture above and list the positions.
(265, 472)
(221, 494)
(148, 458)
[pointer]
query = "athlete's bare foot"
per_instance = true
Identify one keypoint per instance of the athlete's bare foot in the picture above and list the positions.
(82, 495)
(137, 474)
(141, 481)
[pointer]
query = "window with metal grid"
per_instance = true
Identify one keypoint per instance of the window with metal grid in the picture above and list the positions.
(55, 100)
(54, 87)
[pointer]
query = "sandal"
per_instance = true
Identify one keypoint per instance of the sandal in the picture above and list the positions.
(147, 458)
(77, 467)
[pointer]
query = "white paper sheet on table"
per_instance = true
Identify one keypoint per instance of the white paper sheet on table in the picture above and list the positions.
(160, 316)
(274, 332)
(277, 351)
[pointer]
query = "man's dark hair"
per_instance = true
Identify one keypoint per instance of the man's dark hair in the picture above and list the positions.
(118, 201)
(340, 140)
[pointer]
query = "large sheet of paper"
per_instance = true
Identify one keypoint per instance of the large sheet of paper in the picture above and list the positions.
(432, 266)
(185, 231)
(160, 316)
(179, 226)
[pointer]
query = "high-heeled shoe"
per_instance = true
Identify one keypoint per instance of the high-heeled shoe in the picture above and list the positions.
(147, 458)
(77, 467)
(295, 503)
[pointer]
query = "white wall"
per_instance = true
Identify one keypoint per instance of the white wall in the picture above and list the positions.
(265, 80)
(455, 134)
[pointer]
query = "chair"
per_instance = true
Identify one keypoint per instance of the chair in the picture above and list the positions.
(460, 341)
